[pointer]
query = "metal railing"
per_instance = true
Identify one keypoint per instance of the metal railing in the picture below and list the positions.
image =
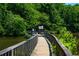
(24, 48)
(58, 48)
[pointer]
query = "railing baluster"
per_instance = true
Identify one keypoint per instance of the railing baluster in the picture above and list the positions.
(21, 49)
(12, 52)
(8, 53)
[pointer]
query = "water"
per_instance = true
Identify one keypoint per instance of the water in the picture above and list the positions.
(9, 41)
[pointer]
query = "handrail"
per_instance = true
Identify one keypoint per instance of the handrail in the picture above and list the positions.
(65, 50)
(22, 48)
(59, 48)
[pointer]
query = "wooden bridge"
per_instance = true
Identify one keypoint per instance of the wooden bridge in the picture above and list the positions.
(43, 44)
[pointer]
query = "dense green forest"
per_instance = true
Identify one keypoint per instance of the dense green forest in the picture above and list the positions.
(60, 19)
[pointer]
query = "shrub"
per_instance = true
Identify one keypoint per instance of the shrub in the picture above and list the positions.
(67, 39)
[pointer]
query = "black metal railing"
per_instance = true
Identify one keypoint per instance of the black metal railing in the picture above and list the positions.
(24, 48)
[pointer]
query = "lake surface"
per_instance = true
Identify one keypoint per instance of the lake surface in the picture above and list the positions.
(9, 41)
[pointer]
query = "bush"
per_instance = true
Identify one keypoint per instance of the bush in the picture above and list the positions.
(1, 30)
(68, 40)
(27, 35)
(14, 24)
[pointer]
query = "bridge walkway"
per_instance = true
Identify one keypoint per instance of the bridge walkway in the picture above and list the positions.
(41, 48)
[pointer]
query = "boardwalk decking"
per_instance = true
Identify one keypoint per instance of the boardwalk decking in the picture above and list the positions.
(41, 48)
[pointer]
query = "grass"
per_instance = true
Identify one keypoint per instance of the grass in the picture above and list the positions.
(9, 41)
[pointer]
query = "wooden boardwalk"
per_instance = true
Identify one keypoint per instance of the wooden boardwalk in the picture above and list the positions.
(41, 48)
(38, 45)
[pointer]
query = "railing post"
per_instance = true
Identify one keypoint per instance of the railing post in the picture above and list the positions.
(12, 52)
(18, 49)
(62, 50)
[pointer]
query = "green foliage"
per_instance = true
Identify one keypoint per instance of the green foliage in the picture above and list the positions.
(67, 39)
(1, 30)
(70, 16)
(14, 24)
(16, 19)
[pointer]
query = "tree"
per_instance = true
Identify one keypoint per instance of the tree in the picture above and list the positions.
(14, 24)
